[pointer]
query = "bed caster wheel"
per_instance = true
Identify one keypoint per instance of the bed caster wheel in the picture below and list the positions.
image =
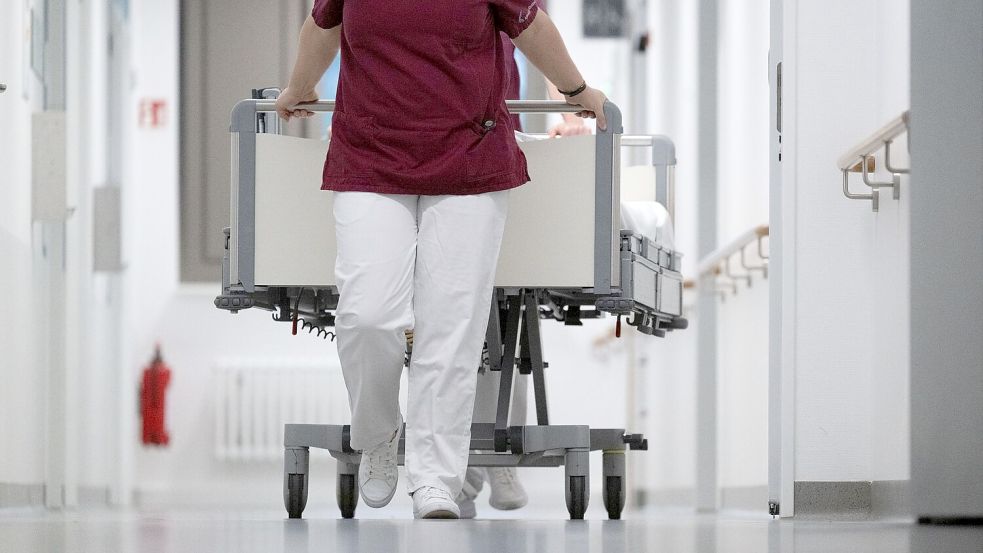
(614, 496)
(295, 495)
(296, 464)
(576, 465)
(347, 492)
(614, 484)
(577, 497)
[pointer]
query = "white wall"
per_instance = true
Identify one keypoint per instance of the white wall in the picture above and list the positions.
(603, 62)
(891, 424)
(670, 364)
(846, 75)
(22, 392)
(742, 200)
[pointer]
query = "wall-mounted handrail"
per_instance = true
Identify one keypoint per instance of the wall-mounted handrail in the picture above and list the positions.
(873, 143)
(718, 256)
(717, 266)
(860, 159)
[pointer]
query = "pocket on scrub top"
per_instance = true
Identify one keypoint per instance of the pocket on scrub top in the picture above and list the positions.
(353, 141)
(492, 154)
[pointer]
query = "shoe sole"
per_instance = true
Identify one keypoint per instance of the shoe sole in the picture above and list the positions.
(507, 506)
(377, 504)
(440, 514)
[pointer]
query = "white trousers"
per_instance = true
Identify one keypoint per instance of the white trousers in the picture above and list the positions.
(425, 263)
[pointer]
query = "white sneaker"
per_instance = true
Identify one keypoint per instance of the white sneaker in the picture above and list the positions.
(507, 492)
(377, 473)
(430, 502)
(473, 480)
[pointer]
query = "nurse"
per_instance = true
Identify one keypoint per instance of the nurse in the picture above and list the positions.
(422, 157)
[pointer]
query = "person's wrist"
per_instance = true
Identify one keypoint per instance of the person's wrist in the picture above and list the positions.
(575, 91)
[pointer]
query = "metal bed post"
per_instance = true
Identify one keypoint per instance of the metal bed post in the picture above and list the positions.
(534, 347)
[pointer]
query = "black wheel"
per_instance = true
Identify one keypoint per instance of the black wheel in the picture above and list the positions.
(347, 495)
(614, 496)
(577, 496)
(296, 495)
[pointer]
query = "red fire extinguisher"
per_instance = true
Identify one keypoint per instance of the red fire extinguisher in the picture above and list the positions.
(156, 377)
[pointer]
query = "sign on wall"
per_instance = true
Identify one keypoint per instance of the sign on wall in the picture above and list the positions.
(604, 18)
(153, 113)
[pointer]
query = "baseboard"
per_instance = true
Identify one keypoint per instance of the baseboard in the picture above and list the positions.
(833, 500)
(891, 498)
(13, 496)
(853, 500)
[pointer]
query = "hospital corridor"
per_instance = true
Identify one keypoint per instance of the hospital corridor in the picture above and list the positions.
(503, 276)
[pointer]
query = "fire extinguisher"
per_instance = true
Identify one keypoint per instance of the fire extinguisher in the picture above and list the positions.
(153, 390)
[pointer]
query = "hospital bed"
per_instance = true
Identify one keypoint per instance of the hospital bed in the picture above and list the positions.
(565, 256)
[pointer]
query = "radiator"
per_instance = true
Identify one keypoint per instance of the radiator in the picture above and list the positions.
(254, 399)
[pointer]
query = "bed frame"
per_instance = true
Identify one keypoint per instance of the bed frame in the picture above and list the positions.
(564, 256)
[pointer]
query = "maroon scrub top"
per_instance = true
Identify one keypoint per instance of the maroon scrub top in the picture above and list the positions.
(513, 88)
(421, 96)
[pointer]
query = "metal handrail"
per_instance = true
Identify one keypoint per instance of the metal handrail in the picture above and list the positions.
(718, 263)
(895, 128)
(515, 106)
(718, 256)
(859, 158)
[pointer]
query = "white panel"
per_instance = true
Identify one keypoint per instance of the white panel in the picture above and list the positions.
(48, 166)
(295, 239)
(549, 237)
(548, 242)
(106, 229)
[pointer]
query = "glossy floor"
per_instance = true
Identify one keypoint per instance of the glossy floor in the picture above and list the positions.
(215, 531)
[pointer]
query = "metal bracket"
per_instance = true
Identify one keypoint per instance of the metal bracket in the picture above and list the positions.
(735, 278)
(895, 183)
(874, 195)
(763, 267)
(887, 160)
(761, 249)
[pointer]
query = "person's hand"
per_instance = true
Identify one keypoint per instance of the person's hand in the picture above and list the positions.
(286, 103)
(592, 100)
(571, 126)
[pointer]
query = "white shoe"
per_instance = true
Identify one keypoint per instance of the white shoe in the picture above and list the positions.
(430, 502)
(473, 480)
(507, 492)
(377, 473)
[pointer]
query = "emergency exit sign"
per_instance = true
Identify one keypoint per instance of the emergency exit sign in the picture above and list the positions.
(604, 18)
